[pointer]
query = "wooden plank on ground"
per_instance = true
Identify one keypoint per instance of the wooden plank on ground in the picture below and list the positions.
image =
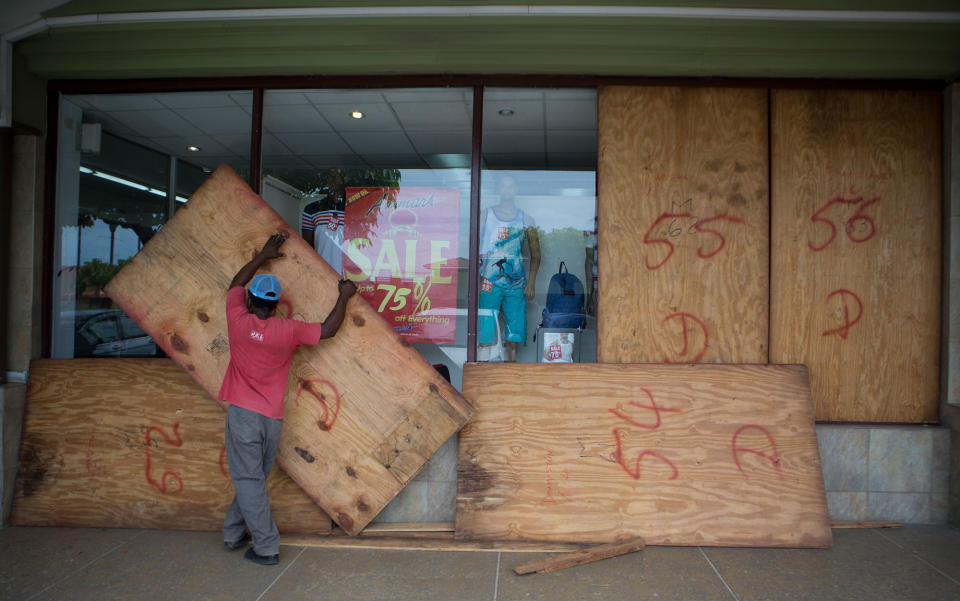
(864, 525)
(683, 209)
(132, 443)
(435, 543)
(577, 558)
(406, 528)
(718, 455)
(363, 412)
(856, 224)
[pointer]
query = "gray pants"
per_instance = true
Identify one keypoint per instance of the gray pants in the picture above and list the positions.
(251, 440)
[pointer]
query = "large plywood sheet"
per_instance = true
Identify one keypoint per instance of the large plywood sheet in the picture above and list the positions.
(677, 454)
(363, 411)
(132, 443)
(856, 249)
(683, 221)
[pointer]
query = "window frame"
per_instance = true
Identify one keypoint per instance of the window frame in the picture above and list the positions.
(258, 86)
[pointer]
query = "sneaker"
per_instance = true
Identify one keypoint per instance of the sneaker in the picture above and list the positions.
(264, 560)
(244, 540)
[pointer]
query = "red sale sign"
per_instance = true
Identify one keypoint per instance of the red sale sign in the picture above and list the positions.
(400, 248)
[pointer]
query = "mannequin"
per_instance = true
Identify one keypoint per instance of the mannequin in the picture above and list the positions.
(321, 222)
(506, 283)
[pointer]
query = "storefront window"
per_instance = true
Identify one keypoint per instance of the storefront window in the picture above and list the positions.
(124, 163)
(538, 242)
(381, 182)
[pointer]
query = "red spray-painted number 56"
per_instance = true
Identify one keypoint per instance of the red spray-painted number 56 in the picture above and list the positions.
(858, 222)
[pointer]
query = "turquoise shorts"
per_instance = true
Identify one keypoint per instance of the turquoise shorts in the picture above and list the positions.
(513, 303)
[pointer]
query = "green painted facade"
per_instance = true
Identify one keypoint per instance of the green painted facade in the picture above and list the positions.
(535, 45)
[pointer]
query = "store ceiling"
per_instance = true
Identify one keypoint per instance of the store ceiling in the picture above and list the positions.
(401, 128)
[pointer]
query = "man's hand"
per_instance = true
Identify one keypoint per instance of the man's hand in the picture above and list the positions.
(346, 288)
(331, 324)
(271, 250)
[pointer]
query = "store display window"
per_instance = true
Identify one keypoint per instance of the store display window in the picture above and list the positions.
(538, 239)
(125, 162)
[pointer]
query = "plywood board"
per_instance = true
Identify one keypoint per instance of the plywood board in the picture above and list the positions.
(684, 225)
(856, 249)
(363, 411)
(722, 455)
(132, 443)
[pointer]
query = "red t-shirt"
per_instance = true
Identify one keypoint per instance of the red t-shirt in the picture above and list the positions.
(260, 352)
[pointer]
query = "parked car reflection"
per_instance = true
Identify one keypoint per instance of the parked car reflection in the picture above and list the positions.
(111, 333)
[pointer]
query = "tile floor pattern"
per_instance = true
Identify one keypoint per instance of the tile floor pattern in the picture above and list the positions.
(915, 563)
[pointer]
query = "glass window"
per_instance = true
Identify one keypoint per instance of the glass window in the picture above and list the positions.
(124, 163)
(380, 181)
(538, 239)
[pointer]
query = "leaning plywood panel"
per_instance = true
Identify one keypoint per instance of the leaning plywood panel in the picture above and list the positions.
(856, 250)
(363, 411)
(684, 227)
(132, 443)
(700, 454)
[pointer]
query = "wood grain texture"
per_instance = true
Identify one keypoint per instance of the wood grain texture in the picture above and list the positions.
(683, 214)
(577, 558)
(856, 250)
(132, 443)
(718, 455)
(363, 410)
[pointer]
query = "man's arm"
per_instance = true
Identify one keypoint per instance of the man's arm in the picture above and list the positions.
(270, 250)
(332, 323)
(533, 245)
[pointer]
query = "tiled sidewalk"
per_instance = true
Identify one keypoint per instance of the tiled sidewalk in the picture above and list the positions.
(915, 563)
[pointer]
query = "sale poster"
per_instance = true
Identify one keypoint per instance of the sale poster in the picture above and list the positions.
(400, 248)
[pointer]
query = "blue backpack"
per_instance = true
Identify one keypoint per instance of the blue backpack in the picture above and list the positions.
(565, 301)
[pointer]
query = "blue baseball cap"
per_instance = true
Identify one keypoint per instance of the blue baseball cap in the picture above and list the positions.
(265, 286)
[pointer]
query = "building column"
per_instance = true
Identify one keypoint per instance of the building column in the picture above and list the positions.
(950, 361)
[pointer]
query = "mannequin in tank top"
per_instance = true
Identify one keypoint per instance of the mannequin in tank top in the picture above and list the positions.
(506, 282)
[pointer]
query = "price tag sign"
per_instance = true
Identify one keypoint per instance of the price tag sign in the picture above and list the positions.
(557, 347)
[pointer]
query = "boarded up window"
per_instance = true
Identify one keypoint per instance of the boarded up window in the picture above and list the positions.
(856, 250)
(683, 216)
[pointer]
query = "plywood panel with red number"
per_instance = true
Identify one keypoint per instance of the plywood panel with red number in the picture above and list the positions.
(132, 443)
(856, 249)
(699, 454)
(683, 225)
(363, 410)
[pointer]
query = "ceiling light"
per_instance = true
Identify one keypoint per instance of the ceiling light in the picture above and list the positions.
(114, 179)
(505, 112)
(193, 148)
(356, 115)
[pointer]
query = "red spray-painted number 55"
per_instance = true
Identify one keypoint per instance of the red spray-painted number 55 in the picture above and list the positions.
(699, 227)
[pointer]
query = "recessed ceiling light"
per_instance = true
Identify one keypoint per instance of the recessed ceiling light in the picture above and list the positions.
(356, 115)
(505, 112)
(193, 148)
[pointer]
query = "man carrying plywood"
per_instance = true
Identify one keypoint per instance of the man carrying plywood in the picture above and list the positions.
(261, 346)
